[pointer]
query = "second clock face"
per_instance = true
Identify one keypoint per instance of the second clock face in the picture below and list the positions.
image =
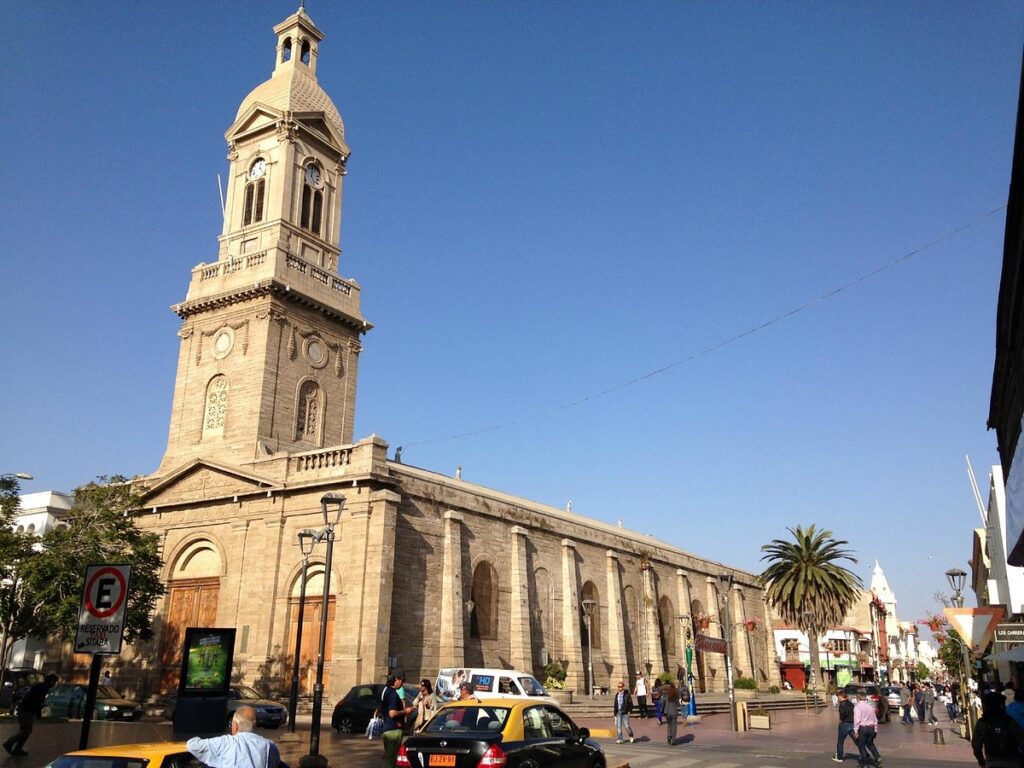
(258, 169)
(313, 175)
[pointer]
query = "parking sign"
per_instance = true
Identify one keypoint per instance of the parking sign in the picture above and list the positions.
(104, 604)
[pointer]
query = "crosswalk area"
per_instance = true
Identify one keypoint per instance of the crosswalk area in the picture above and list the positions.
(652, 755)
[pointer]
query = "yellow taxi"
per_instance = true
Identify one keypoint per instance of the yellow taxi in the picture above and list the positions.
(500, 733)
(159, 754)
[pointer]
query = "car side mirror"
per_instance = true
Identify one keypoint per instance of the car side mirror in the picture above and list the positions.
(584, 734)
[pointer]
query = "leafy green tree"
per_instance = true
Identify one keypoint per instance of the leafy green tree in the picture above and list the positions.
(922, 671)
(18, 616)
(806, 584)
(951, 653)
(99, 529)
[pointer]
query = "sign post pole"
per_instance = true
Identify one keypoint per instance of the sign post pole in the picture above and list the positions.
(100, 626)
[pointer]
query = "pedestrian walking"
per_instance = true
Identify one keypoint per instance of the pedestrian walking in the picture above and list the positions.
(919, 703)
(929, 704)
(865, 729)
(394, 711)
(656, 694)
(640, 691)
(905, 696)
(845, 708)
(623, 705)
(425, 704)
(670, 710)
(29, 709)
(997, 737)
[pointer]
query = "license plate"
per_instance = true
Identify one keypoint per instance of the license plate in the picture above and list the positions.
(444, 760)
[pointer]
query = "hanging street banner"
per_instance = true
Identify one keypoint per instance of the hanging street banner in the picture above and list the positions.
(975, 625)
(710, 644)
(104, 604)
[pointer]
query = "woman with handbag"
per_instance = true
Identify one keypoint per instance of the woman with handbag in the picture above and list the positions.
(425, 704)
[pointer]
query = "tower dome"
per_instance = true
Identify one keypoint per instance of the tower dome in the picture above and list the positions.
(293, 86)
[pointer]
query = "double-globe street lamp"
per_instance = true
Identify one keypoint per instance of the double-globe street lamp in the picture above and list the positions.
(725, 579)
(314, 759)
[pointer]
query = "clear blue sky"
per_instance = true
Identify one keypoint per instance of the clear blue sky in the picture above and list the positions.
(546, 200)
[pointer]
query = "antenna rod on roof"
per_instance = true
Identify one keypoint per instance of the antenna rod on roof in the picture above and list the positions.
(977, 493)
(220, 189)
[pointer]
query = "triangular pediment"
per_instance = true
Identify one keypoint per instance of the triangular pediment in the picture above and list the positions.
(255, 118)
(316, 124)
(200, 480)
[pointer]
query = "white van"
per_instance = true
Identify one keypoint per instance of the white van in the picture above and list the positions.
(488, 682)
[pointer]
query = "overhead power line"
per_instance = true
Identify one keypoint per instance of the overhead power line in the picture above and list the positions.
(720, 344)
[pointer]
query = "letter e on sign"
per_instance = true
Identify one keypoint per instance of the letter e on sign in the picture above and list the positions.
(104, 604)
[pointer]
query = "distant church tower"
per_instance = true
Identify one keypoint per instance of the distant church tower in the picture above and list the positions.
(270, 331)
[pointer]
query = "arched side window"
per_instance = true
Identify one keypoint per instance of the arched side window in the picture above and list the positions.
(589, 592)
(668, 620)
(310, 412)
(305, 52)
(216, 406)
(254, 193)
(312, 207)
(286, 49)
(483, 617)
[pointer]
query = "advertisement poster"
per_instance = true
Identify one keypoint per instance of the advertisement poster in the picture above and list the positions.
(206, 666)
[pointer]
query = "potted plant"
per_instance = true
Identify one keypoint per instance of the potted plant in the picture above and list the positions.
(760, 719)
(702, 620)
(750, 625)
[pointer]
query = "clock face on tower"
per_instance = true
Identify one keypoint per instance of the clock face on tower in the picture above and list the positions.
(258, 169)
(313, 175)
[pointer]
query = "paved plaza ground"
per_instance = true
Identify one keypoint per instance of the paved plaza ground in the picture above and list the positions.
(797, 739)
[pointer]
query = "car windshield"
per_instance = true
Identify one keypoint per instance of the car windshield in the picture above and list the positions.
(245, 692)
(103, 692)
(472, 719)
(531, 687)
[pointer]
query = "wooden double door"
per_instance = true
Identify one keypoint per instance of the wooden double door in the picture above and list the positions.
(190, 603)
(311, 614)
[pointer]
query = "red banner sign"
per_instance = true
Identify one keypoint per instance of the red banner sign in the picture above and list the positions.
(710, 644)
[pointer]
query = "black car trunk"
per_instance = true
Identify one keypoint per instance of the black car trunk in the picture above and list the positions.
(448, 751)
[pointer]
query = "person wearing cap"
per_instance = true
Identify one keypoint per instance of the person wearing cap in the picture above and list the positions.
(394, 711)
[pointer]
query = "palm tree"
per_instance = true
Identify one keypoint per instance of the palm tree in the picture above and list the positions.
(807, 586)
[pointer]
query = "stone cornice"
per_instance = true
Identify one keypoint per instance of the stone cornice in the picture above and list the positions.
(263, 288)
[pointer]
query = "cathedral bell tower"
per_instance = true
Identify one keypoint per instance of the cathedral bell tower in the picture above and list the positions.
(270, 331)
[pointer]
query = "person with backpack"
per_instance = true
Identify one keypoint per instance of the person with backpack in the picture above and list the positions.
(997, 737)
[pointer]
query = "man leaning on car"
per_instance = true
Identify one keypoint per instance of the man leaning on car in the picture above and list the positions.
(241, 749)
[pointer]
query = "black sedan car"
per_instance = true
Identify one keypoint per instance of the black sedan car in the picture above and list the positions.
(352, 714)
(501, 733)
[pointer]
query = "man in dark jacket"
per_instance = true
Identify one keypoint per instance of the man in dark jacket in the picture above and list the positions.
(997, 737)
(845, 725)
(623, 705)
(28, 710)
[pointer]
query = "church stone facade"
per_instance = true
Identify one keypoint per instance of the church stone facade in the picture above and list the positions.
(428, 570)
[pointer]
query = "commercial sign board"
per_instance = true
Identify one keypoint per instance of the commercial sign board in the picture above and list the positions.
(710, 644)
(1010, 634)
(104, 605)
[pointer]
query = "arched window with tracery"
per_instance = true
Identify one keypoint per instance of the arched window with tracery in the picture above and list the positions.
(216, 406)
(483, 617)
(310, 412)
(589, 592)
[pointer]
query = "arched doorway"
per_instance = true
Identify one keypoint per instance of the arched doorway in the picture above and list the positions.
(311, 614)
(193, 591)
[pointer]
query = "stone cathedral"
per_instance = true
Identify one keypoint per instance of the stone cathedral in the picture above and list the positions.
(429, 570)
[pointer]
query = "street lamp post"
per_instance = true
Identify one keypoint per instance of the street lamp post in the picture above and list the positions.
(808, 617)
(588, 615)
(725, 579)
(956, 578)
(306, 548)
(684, 622)
(314, 759)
